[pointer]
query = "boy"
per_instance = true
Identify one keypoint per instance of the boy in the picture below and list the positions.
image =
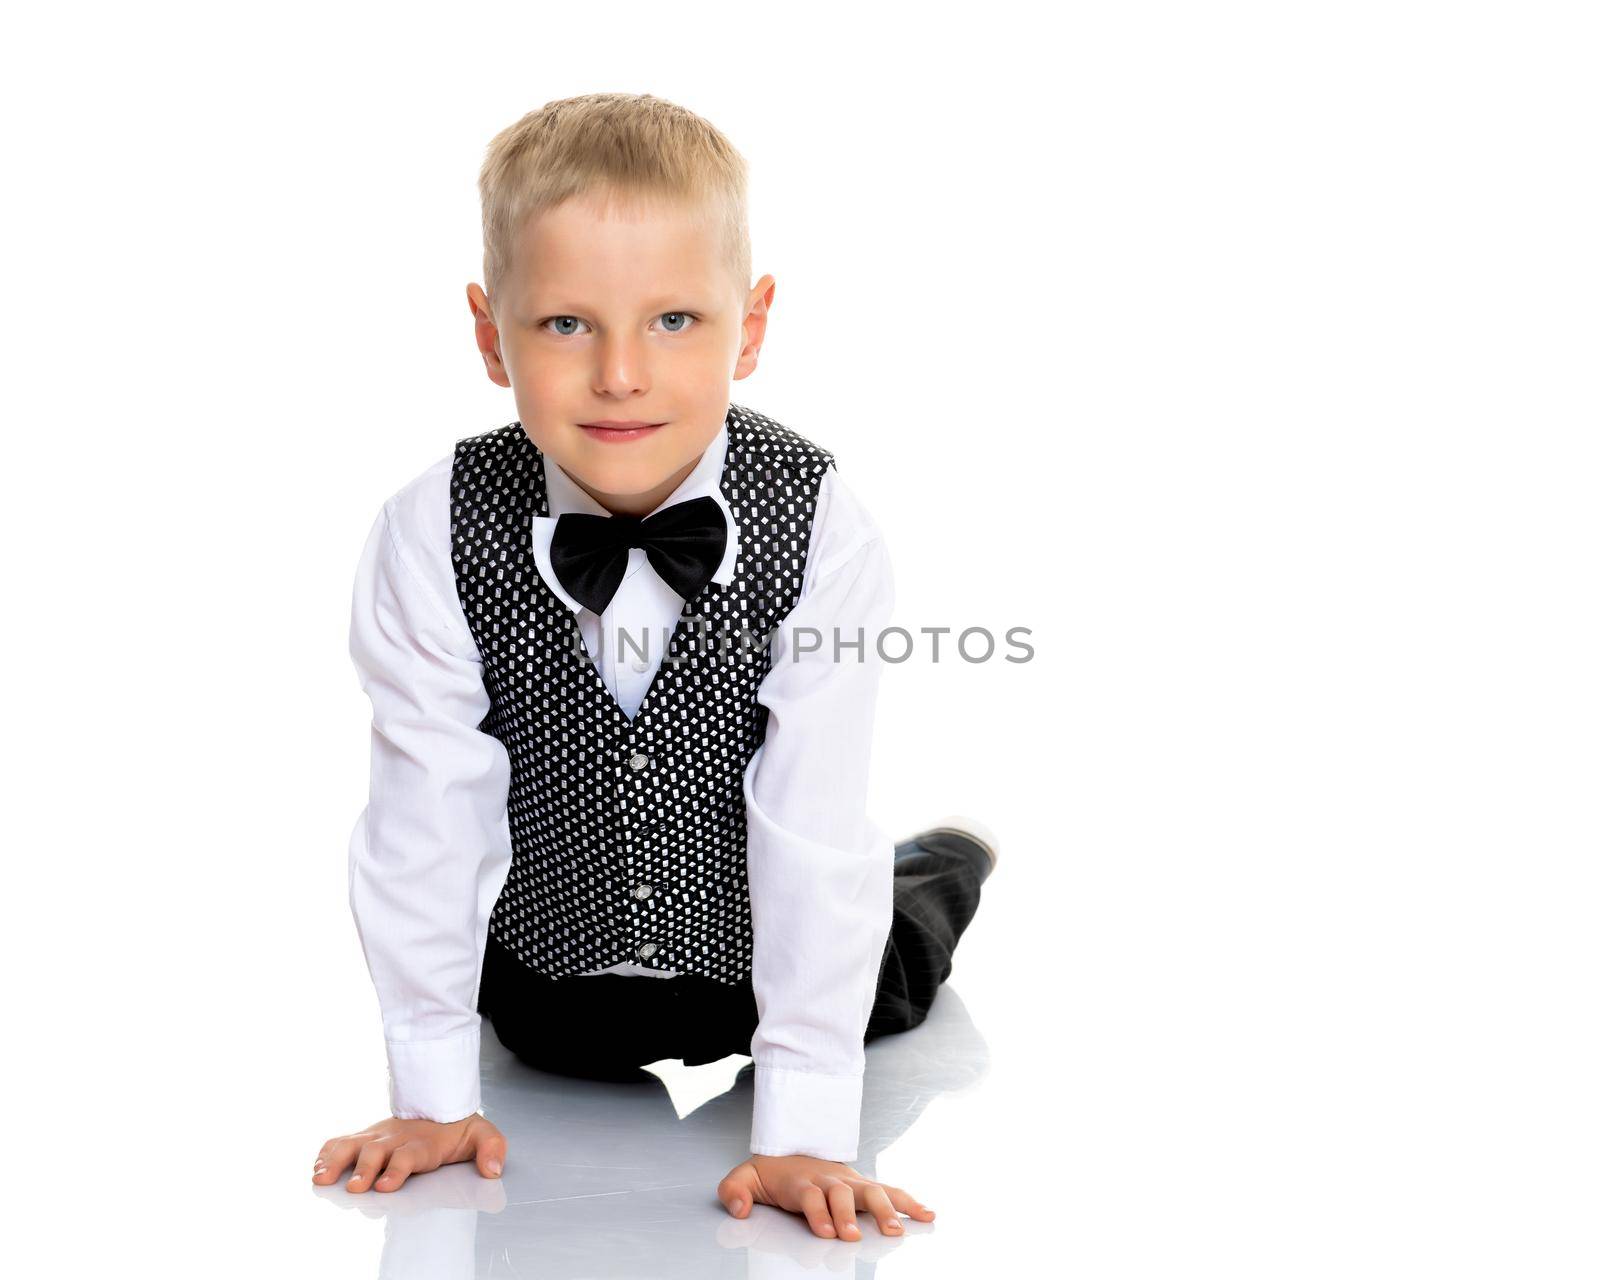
(618, 783)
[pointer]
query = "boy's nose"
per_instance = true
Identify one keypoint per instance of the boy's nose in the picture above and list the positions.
(622, 369)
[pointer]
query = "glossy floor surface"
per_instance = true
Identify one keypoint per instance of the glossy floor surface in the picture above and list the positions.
(608, 1179)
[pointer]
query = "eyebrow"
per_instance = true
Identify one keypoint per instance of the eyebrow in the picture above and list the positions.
(679, 300)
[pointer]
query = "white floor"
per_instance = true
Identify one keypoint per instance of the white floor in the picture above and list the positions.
(619, 1179)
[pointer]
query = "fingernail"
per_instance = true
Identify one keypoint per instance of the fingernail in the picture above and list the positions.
(493, 1166)
(827, 1230)
(737, 1205)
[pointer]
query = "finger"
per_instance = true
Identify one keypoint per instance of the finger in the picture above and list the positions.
(368, 1165)
(875, 1200)
(736, 1193)
(907, 1203)
(815, 1206)
(842, 1200)
(402, 1164)
(492, 1154)
(334, 1159)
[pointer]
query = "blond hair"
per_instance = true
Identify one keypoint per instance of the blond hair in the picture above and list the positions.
(620, 147)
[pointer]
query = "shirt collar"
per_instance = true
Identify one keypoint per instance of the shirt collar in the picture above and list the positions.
(565, 495)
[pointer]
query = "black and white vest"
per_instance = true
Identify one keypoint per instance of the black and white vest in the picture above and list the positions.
(628, 837)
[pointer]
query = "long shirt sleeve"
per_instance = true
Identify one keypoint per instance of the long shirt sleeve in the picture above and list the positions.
(431, 850)
(820, 872)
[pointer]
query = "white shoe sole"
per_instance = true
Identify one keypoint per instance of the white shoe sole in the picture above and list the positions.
(973, 830)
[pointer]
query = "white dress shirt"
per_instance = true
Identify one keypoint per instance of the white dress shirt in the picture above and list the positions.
(431, 851)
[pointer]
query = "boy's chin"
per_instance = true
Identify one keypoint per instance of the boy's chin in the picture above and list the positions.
(601, 469)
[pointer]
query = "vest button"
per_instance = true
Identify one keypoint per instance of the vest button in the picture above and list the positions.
(646, 951)
(638, 761)
(643, 890)
(639, 664)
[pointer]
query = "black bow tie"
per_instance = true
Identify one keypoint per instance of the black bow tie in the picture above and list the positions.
(685, 544)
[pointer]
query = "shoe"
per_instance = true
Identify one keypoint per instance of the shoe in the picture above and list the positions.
(972, 835)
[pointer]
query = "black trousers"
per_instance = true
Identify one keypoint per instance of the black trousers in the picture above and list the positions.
(606, 1026)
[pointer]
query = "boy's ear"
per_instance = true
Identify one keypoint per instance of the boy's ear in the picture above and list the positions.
(755, 326)
(487, 335)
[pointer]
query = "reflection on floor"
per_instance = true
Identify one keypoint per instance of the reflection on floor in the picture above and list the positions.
(610, 1179)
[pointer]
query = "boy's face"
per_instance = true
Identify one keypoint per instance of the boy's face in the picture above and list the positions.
(621, 314)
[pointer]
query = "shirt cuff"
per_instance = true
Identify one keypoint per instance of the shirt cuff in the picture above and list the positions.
(805, 1113)
(434, 1079)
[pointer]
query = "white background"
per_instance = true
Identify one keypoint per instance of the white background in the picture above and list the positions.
(1244, 352)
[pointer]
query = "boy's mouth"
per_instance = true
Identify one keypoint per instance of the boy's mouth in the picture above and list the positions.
(618, 432)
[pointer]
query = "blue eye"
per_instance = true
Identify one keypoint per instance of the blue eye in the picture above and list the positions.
(564, 330)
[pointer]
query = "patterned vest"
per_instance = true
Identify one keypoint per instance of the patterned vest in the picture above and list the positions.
(628, 837)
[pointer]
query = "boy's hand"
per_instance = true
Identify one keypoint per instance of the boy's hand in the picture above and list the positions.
(389, 1152)
(826, 1192)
